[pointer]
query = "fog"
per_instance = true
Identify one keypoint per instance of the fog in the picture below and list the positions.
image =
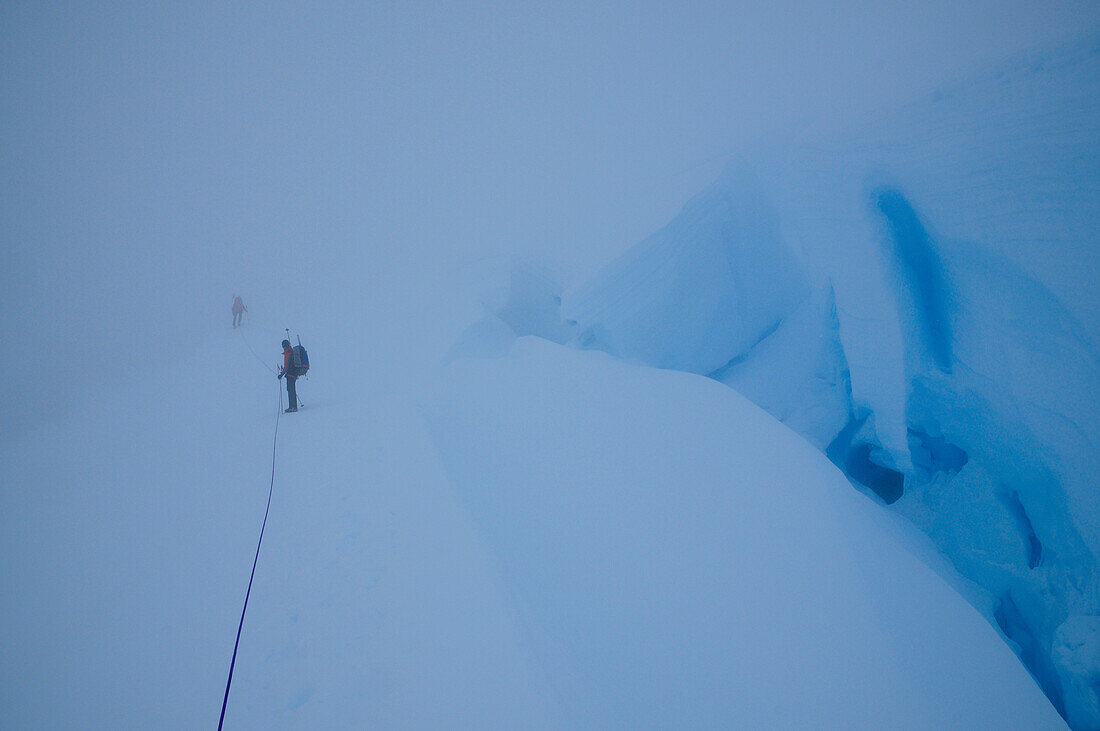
(158, 158)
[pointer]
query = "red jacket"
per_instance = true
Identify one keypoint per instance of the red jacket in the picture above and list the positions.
(288, 361)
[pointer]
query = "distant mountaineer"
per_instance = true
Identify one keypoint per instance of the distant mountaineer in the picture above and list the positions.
(238, 309)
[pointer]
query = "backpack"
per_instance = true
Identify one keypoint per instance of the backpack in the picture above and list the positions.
(299, 360)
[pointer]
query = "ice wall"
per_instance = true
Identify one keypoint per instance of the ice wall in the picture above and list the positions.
(799, 373)
(699, 292)
(999, 419)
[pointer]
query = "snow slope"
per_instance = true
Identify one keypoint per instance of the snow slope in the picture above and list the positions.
(679, 559)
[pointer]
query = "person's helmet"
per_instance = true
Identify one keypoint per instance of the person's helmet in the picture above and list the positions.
(286, 344)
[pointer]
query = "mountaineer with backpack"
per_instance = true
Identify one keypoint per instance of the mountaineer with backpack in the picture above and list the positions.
(295, 363)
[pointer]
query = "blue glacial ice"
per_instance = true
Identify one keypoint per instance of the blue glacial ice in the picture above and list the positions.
(699, 292)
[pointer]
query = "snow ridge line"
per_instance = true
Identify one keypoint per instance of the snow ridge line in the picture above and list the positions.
(256, 558)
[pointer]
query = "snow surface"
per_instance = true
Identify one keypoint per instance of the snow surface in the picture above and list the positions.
(375, 603)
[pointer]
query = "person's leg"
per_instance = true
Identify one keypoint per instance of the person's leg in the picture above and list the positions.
(292, 392)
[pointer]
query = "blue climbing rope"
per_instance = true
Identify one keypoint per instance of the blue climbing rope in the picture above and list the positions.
(255, 560)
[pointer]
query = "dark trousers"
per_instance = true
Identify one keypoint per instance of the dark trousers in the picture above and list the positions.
(237, 317)
(291, 391)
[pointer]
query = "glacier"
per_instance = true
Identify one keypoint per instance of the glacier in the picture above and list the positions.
(819, 452)
(945, 356)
